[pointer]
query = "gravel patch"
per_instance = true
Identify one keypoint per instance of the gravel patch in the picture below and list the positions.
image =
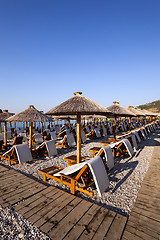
(13, 226)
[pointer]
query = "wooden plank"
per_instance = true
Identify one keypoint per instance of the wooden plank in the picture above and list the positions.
(16, 188)
(132, 227)
(95, 224)
(53, 221)
(147, 213)
(9, 185)
(80, 227)
(117, 228)
(130, 236)
(3, 169)
(55, 208)
(61, 229)
(145, 221)
(32, 213)
(139, 233)
(105, 225)
(33, 198)
(21, 194)
(27, 193)
(148, 208)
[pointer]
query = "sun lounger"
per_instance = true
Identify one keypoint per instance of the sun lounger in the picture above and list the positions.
(19, 152)
(87, 173)
(107, 154)
(48, 146)
(62, 143)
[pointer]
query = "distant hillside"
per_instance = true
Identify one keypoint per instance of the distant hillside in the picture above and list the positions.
(152, 106)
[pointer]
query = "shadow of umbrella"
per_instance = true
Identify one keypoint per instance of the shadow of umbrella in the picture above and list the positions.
(79, 105)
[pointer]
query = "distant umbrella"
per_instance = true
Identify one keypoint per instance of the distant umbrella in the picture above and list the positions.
(119, 111)
(30, 115)
(78, 105)
(3, 118)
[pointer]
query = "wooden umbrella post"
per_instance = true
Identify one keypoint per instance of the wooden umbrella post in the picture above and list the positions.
(115, 128)
(129, 123)
(5, 133)
(0, 128)
(30, 135)
(78, 138)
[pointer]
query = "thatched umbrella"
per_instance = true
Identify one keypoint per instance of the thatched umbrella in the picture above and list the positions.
(119, 111)
(30, 115)
(78, 105)
(3, 118)
(136, 112)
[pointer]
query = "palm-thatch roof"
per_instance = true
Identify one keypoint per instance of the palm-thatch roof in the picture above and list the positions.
(78, 105)
(4, 115)
(118, 110)
(29, 115)
(136, 111)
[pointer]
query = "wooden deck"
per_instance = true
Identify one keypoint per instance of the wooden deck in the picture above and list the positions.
(57, 213)
(64, 216)
(144, 220)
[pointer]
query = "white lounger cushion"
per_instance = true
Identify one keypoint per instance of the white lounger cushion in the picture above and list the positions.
(51, 148)
(23, 153)
(38, 138)
(98, 135)
(104, 131)
(53, 135)
(109, 156)
(70, 140)
(143, 134)
(137, 135)
(134, 141)
(110, 130)
(99, 173)
(98, 170)
(83, 136)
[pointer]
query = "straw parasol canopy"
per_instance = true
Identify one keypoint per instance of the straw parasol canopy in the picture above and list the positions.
(3, 118)
(149, 113)
(30, 115)
(118, 111)
(78, 105)
(136, 111)
(4, 115)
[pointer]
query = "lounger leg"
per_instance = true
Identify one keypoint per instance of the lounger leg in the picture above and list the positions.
(44, 177)
(72, 190)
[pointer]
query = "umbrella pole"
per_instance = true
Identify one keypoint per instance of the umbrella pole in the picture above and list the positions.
(5, 133)
(78, 138)
(30, 135)
(115, 128)
(130, 124)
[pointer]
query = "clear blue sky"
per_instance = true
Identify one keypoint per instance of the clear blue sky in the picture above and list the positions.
(108, 49)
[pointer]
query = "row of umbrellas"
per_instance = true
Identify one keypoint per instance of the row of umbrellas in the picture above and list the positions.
(73, 108)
